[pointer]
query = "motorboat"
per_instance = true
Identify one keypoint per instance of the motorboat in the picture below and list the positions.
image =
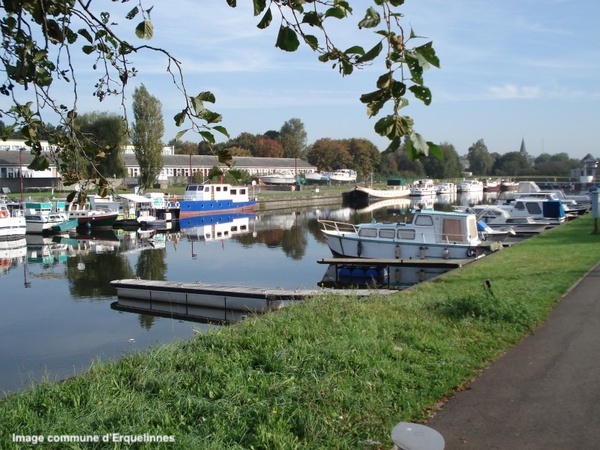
(88, 217)
(470, 185)
(500, 219)
(47, 218)
(343, 176)
(285, 177)
(541, 209)
(12, 223)
(422, 188)
(446, 189)
(489, 234)
(212, 198)
(431, 234)
(317, 178)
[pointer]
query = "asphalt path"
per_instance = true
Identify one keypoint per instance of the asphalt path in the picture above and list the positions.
(544, 393)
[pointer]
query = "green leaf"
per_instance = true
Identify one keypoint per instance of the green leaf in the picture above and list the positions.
(180, 117)
(208, 136)
(144, 30)
(224, 157)
(88, 49)
(312, 41)
(131, 14)
(180, 133)
(266, 20)
(355, 50)
(427, 52)
(312, 18)
(221, 130)
(371, 19)
(337, 12)
(422, 93)
(371, 54)
(287, 39)
(259, 6)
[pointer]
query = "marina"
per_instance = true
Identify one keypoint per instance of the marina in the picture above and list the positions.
(64, 313)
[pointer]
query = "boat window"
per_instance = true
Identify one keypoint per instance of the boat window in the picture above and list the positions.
(406, 234)
(386, 234)
(452, 230)
(224, 188)
(233, 191)
(367, 232)
(242, 191)
(423, 220)
(206, 188)
(533, 208)
(520, 206)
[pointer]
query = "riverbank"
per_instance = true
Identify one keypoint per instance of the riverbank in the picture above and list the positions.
(331, 372)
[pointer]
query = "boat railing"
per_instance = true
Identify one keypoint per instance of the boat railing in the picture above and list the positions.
(339, 227)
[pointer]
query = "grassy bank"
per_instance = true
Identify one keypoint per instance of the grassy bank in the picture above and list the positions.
(328, 373)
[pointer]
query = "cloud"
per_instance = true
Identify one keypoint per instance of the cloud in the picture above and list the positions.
(512, 91)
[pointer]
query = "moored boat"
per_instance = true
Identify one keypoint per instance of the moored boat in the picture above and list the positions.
(12, 224)
(422, 188)
(47, 218)
(446, 189)
(285, 177)
(343, 176)
(211, 198)
(470, 185)
(317, 178)
(431, 234)
(87, 217)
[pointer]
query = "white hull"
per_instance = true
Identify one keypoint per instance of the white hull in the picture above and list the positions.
(12, 227)
(402, 191)
(431, 235)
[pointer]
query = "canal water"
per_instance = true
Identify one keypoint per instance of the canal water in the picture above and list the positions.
(56, 295)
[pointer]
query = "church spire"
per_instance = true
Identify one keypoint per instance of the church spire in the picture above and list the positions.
(523, 150)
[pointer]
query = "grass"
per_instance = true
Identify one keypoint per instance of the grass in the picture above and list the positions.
(331, 372)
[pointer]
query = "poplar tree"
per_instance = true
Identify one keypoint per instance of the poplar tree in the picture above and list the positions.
(147, 132)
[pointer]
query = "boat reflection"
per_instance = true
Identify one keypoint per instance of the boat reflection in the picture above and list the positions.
(12, 254)
(361, 276)
(214, 227)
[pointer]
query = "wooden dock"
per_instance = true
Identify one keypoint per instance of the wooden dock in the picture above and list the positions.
(238, 298)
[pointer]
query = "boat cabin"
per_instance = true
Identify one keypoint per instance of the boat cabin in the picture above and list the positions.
(215, 191)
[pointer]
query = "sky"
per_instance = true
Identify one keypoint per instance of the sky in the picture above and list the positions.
(510, 71)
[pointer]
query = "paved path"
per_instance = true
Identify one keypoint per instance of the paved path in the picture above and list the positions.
(544, 393)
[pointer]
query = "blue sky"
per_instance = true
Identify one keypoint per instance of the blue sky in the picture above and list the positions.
(510, 70)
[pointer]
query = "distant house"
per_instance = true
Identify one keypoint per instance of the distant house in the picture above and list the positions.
(587, 173)
(15, 157)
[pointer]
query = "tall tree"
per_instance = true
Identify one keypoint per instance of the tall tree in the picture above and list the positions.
(443, 168)
(292, 138)
(512, 164)
(480, 160)
(147, 132)
(329, 154)
(107, 135)
(365, 156)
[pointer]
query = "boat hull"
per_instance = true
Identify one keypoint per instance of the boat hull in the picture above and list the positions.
(193, 208)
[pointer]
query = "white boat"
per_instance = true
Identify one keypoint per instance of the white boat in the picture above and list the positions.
(392, 203)
(286, 177)
(12, 224)
(317, 178)
(500, 219)
(381, 194)
(491, 185)
(489, 234)
(431, 234)
(470, 185)
(47, 218)
(422, 188)
(540, 209)
(446, 189)
(343, 176)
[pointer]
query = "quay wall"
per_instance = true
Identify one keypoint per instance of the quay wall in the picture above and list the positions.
(287, 202)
